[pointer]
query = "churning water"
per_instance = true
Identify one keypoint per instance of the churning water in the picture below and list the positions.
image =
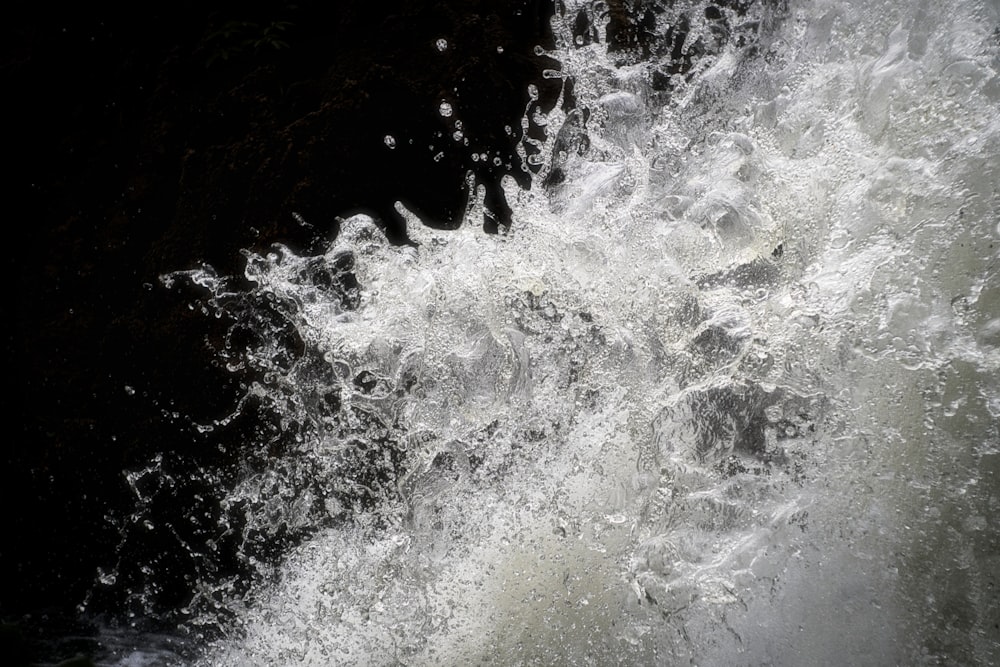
(725, 392)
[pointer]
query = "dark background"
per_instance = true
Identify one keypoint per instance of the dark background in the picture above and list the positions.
(163, 136)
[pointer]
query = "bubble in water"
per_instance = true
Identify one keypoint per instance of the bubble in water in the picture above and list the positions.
(445, 109)
(442, 44)
(390, 141)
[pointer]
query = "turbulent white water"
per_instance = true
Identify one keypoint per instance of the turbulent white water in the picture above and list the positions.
(727, 395)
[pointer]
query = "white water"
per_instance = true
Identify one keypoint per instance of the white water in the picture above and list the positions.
(635, 431)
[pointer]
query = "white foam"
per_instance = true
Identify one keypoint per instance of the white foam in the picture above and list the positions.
(697, 379)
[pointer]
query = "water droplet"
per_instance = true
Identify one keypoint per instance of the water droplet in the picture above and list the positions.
(457, 136)
(129, 390)
(442, 44)
(499, 49)
(390, 141)
(445, 110)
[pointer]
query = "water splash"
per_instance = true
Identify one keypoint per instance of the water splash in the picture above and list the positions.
(724, 392)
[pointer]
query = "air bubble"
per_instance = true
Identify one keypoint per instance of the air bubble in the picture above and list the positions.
(445, 110)
(390, 141)
(442, 44)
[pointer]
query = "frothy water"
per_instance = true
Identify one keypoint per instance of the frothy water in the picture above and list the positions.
(725, 393)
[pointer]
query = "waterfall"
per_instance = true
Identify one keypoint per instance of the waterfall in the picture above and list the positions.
(724, 392)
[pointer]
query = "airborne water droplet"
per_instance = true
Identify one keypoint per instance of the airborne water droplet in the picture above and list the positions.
(390, 141)
(442, 44)
(445, 110)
